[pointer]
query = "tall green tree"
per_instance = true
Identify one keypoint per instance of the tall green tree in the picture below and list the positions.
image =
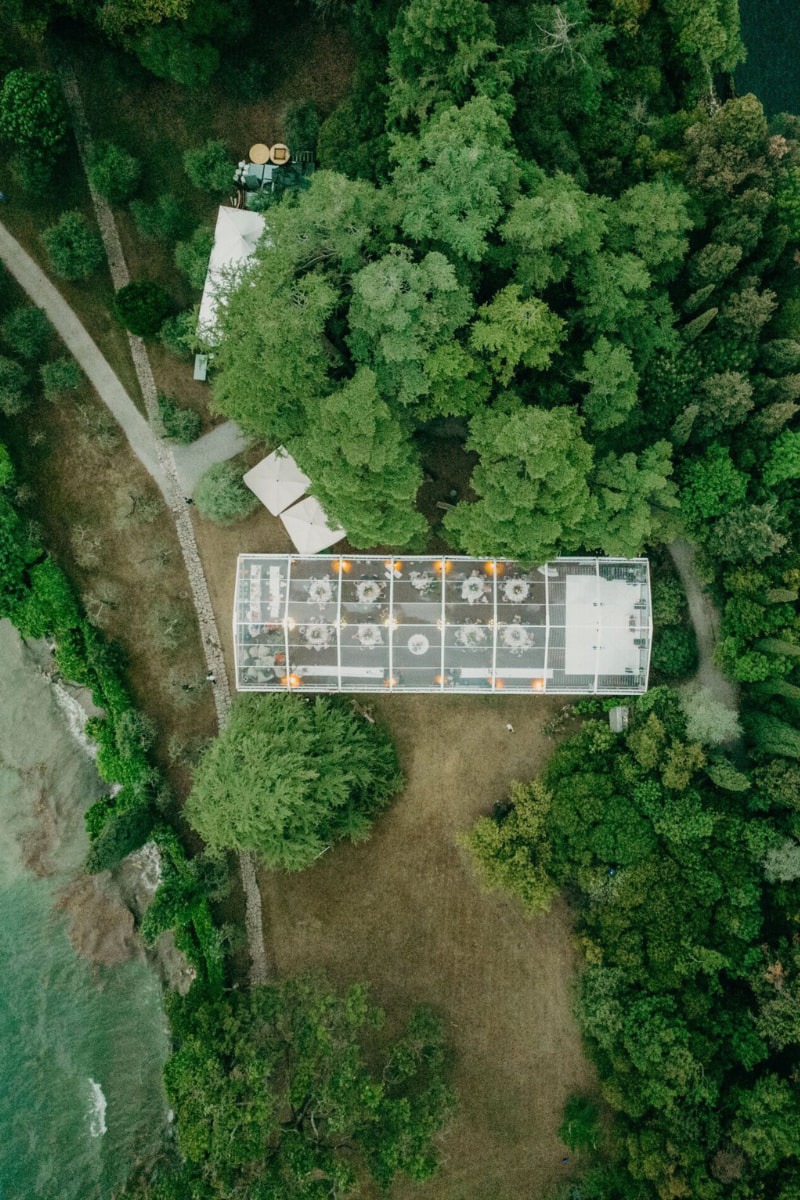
(532, 484)
(288, 777)
(635, 497)
(455, 180)
(365, 471)
(443, 52)
(512, 331)
(402, 312)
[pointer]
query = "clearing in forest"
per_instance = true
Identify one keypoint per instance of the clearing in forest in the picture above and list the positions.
(404, 911)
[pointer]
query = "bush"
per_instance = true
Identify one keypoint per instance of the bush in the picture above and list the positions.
(165, 218)
(13, 387)
(192, 256)
(141, 306)
(180, 424)
(60, 376)
(221, 496)
(74, 249)
(32, 175)
(674, 653)
(210, 167)
(179, 334)
(120, 835)
(26, 331)
(669, 601)
(114, 173)
(579, 1126)
(33, 114)
(170, 54)
(302, 127)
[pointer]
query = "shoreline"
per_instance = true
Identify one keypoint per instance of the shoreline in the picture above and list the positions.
(104, 910)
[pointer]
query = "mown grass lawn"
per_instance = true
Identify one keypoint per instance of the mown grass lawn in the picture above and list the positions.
(405, 912)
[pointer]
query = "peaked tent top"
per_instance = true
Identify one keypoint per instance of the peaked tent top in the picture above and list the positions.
(236, 236)
(307, 526)
(277, 481)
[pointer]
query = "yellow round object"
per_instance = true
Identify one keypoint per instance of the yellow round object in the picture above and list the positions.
(279, 154)
(259, 153)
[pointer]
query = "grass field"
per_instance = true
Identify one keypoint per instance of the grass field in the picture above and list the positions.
(404, 912)
(771, 33)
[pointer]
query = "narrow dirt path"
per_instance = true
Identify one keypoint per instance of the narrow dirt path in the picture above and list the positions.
(154, 454)
(705, 619)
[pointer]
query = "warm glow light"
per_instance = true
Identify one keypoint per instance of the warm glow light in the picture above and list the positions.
(389, 682)
(443, 564)
(393, 565)
(537, 685)
(440, 679)
(289, 623)
(345, 566)
(489, 568)
(295, 681)
(499, 683)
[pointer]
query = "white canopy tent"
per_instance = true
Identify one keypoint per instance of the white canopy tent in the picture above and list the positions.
(235, 238)
(277, 481)
(307, 526)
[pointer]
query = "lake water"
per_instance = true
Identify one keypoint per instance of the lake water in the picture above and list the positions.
(83, 1044)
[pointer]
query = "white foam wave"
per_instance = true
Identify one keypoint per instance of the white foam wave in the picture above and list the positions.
(75, 715)
(97, 1110)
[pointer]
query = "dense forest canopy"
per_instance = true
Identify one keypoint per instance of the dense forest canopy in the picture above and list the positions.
(571, 263)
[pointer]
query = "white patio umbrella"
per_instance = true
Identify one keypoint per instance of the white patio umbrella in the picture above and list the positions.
(277, 481)
(307, 526)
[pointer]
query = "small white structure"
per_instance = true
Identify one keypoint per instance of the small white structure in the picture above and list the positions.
(307, 526)
(277, 481)
(235, 238)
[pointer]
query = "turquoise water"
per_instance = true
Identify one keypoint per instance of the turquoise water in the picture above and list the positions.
(82, 1045)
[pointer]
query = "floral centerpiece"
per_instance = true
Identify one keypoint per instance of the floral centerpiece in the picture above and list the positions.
(516, 591)
(369, 636)
(317, 634)
(516, 638)
(471, 636)
(423, 581)
(368, 591)
(320, 591)
(473, 588)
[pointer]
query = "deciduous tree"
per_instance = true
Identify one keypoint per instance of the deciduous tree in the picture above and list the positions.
(532, 483)
(288, 777)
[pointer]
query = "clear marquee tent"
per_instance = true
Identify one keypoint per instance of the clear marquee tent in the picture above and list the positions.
(235, 238)
(277, 481)
(328, 623)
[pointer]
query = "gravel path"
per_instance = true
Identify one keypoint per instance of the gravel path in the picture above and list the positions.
(155, 455)
(100, 374)
(705, 619)
(217, 446)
